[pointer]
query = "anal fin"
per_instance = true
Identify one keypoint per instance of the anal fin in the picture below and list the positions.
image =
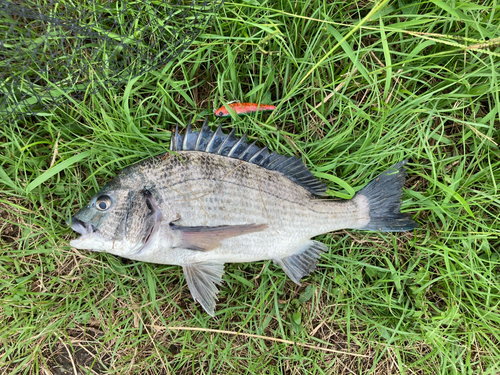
(304, 262)
(201, 279)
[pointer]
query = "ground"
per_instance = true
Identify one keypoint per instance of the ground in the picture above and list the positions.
(358, 86)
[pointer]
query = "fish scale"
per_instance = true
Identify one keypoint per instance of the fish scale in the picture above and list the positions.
(264, 195)
(216, 199)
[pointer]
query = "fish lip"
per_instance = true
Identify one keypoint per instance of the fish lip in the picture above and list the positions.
(81, 227)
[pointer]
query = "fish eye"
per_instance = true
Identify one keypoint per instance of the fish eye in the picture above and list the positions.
(103, 203)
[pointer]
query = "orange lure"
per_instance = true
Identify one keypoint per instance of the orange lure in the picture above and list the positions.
(243, 109)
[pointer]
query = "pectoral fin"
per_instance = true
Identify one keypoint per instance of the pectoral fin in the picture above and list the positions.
(201, 279)
(209, 238)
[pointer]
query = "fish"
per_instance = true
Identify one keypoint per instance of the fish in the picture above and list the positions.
(243, 109)
(214, 199)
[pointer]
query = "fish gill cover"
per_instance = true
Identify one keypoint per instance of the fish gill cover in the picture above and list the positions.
(53, 50)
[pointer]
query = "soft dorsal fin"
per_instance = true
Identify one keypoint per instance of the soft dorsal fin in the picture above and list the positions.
(228, 145)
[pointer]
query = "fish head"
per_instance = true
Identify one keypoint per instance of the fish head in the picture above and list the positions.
(123, 222)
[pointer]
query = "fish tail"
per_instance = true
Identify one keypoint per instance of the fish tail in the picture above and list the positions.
(382, 197)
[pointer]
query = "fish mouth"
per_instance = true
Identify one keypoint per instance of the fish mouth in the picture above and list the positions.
(81, 227)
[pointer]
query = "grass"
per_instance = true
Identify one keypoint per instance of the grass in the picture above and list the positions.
(358, 86)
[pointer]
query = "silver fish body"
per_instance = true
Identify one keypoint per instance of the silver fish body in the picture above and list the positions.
(216, 199)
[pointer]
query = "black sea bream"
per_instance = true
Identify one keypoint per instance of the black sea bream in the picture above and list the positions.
(216, 199)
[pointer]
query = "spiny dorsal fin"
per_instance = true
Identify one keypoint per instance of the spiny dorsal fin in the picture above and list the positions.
(228, 145)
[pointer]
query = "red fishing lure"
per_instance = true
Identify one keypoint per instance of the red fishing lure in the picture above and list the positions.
(243, 108)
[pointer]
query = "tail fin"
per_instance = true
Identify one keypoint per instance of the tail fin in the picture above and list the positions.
(384, 195)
